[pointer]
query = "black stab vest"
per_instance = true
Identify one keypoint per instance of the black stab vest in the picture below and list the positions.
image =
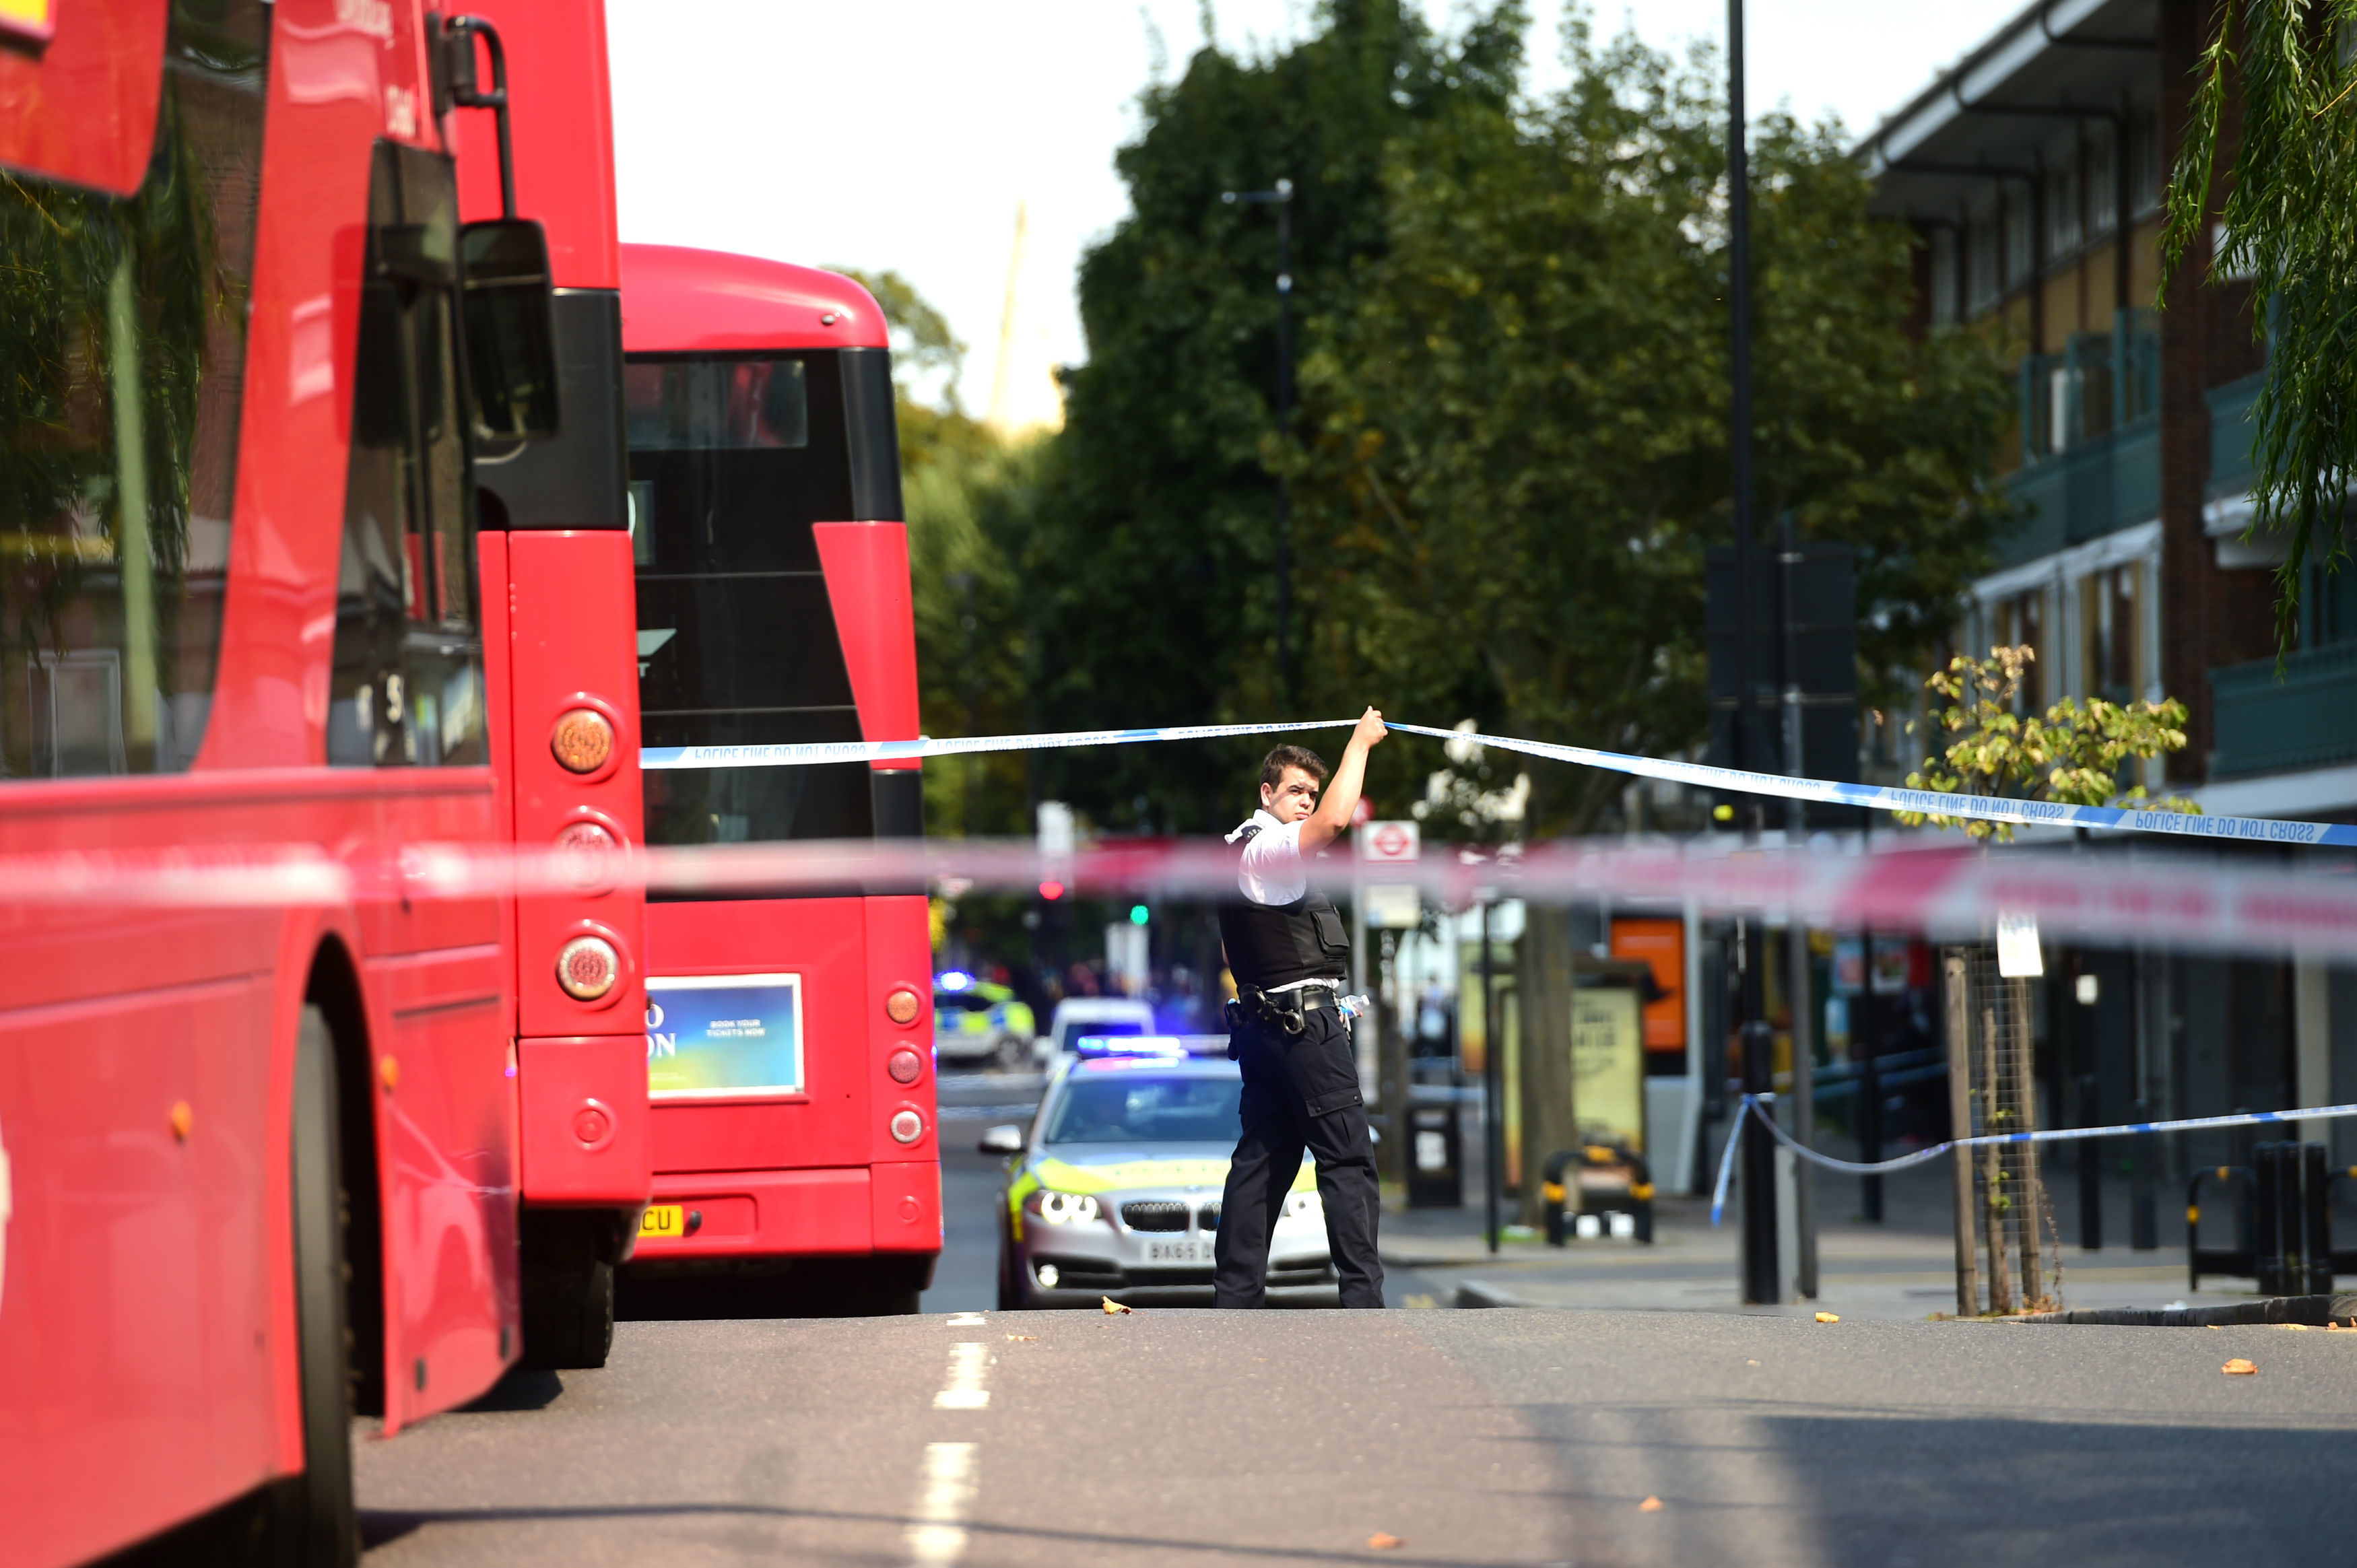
(1270, 945)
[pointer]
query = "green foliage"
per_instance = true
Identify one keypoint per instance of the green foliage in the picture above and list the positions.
(922, 343)
(1511, 449)
(1520, 448)
(2290, 224)
(2076, 753)
(1148, 560)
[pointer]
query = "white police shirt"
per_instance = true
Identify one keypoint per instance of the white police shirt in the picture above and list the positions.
(1272, 871)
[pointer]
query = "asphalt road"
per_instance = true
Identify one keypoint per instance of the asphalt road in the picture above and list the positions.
(1496, 1437)
(1182, 1437)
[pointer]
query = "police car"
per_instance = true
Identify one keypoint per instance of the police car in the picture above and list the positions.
(1114, 1190)
(976, 1021)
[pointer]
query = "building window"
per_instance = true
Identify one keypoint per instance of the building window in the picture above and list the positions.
(2021, 226)
(2111, 633)
(1944, 277)
(2144, 161)
(2019, 621)
(2102, 179)
(1984, 279)
(2064, 225)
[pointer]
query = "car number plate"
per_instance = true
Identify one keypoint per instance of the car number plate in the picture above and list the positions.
(668, 1221)
(1178, 1251)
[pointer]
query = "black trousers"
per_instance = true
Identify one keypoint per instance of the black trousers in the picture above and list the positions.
(1302, 1092)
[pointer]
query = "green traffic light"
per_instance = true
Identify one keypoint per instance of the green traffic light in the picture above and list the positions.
(1137, 915)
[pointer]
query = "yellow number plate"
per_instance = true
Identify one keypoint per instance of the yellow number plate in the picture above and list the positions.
(665, 1219)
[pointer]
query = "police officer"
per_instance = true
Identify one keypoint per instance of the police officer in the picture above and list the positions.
(1286, 949)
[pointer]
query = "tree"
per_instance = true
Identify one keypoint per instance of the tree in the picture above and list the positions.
(1520, 414)
(1146, 554)
(2076, 754)
(2289, 223)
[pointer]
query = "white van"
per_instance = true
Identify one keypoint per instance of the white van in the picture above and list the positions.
(1079, 1015)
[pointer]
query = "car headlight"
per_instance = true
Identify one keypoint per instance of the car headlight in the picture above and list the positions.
(1304, 1205)
(1065, 1207)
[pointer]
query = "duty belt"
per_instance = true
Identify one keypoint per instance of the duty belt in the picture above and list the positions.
(1288, 1010)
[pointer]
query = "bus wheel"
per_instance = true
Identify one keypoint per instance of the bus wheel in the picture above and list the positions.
(568, 1288)
(313, 1515)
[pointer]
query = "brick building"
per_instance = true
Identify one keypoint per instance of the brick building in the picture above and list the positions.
(2034, 171)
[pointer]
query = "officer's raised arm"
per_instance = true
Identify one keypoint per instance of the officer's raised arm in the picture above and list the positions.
(1341, 800)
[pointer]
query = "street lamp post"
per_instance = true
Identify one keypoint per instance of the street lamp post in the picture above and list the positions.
(1759, 1241)
(1282, 200)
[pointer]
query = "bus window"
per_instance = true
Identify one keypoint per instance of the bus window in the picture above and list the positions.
(408, 688)
(732, 460)
(122, 326)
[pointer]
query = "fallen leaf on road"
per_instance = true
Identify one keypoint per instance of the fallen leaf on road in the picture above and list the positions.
(1650, 1504)
(2238, 1367)
(1828, 1317)
(1023, 1339)
(2213, 1327)
(2301, 1327)
(1382, 1542)
(1113, 1308)
(1751, 1363)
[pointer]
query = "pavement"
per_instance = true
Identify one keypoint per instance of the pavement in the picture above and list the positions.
(1655, 1425)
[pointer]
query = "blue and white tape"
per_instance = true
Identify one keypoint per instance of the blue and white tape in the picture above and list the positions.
(1874, 797)
(1755, 1107)
(806, 753)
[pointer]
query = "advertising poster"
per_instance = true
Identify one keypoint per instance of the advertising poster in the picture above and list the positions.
(1607, 1066)
(719, 1035)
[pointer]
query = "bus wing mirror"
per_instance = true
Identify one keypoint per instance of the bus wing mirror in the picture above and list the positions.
(1007, 1140)
(510, 328)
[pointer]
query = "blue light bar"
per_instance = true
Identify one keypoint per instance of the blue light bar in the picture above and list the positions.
(952, 980)
(1168, 1047)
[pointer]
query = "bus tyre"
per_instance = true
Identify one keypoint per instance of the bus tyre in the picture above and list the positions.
(568, 1290)
(314, 1519)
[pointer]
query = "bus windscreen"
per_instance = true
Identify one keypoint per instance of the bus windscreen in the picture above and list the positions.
(732, 459)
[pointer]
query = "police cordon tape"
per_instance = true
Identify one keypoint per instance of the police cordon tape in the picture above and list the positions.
(1948, 892)
(1874, 797)
(1755, 1108)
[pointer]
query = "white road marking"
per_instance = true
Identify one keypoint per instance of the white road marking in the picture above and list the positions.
(965, 1391)
(937, 1537)
(965, 1320)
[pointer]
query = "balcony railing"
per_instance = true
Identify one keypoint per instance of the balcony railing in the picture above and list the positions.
(2230, 434)
(2091, 440)
(2096, 487)
(2306, 720)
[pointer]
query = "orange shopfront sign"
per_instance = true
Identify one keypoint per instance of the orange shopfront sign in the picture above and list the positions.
(1662, 944)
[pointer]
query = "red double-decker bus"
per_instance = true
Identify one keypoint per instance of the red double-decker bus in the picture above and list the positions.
(789, 1061)
(261, 1164)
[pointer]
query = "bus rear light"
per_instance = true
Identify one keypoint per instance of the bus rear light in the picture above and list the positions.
(587, 967)
(583, 740)
(906, 1066)
(901, 1007)
(906, 1126)
(583, 850)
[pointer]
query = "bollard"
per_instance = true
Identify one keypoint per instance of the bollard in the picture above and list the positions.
(2200, 1260)
(1869, 1136)
(2143, 1209)
(2090, 1173)
(2316, 1240)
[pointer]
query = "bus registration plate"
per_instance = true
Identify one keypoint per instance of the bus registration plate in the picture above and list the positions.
(1178, 1251)
(668, 1221)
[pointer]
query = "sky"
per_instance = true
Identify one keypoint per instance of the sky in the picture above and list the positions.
(905, 134)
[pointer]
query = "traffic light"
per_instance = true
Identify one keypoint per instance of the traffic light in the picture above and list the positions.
(1138, 915)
